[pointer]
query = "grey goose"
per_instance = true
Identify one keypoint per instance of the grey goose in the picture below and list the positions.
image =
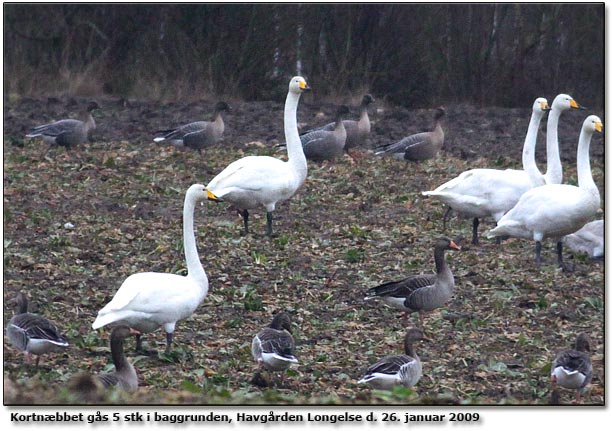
(423, 292)
(124, 376)
(67, 133)
(357, 131)
(199, 134)
(33, 334)
(405, 370)
(420, 146)
(572, 368)
(320, 145)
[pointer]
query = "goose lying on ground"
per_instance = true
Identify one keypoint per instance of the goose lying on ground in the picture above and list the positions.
(67, 133)
(556, 210)
(479, 193)
(572, 369)
(124, 376)
(199, 134)
(32, 333)
(148, 300)
(405, 370)
(420, 146)
(255, 181)
(424, 292)
(356, 131)
(322, 145)
(589, 239)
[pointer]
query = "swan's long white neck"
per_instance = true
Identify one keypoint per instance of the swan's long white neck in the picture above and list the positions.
(195, 269)
(554, 170)
(529, 163)
(583, 164)
(294, 146)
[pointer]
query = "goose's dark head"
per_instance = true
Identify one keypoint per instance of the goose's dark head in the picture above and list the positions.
(583, 343)
(281, 321)
(367, 99)
(222, 106)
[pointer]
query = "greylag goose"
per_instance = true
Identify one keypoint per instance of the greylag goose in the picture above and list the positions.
(356, 131)
(149, 300)
(420, 146)
(32, 333)
(322, 145)
(589, 239)
(424, 292)
(273, 347)
(556, 210)
(67, 133)
(124, 376)
(405, 370)
(572, 369)
(199, 134)
(479, 193)
(255, 181)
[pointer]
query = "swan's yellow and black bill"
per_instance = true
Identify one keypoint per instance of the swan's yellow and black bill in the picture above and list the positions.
(599, 126)
(212, 196)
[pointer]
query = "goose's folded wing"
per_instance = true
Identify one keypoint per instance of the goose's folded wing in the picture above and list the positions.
(55, 129)
(329, 127)
(403, 288)
(389, 365)
(278, 342)
(37, 327)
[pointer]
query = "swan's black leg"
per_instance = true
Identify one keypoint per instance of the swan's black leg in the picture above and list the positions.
(475, 224)
(269, 218)
(169, 336)
(560, 253)
(445, 218)
(538, 257)
(245, 219)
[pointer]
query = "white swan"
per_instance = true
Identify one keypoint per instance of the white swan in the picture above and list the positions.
(556, 210)
(554, 170)
(148, 300)
(255, 181)
(481, 193)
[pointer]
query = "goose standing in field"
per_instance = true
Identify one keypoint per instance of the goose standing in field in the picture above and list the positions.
(405, 370)
(479, 193)
(255, 181)
(32, 333)
(572, 369)
(199, 134)
(273, 347)
(554, 170)
(420, 146)
(589, 239)
(556, 210)
(124, 376)
(67, 133)
(356, 131)
(322, 145)
(149, 300)
(424, 292)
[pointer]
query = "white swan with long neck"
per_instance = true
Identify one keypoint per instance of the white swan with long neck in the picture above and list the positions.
(255, 181)
(554, 170)
(149, 300)
(556, 210)
(481, 193)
